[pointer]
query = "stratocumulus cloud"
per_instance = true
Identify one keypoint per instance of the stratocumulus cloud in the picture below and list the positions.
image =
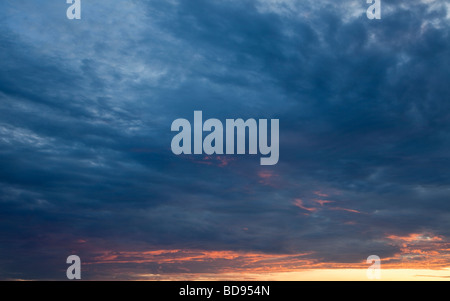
(85, 114)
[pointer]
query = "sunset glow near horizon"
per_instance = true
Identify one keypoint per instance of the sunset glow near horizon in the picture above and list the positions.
(360, 106)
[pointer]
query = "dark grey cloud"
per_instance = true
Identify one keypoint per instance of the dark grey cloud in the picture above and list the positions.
(86, 108)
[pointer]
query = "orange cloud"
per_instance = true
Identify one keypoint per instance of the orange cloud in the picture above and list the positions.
(220, 261)
(220, 161)
(420, 250)
(265, 174)
(344, 209)
(321, 194)
(299, 204)
(267, 177)
(183, 264)
(414, 237)
(322, 202)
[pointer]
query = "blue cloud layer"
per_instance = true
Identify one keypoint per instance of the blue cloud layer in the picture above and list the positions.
(86, 108)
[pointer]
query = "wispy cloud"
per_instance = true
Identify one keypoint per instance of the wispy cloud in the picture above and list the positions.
(85, 114)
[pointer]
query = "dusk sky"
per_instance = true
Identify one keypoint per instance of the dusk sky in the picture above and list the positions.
(86, 166)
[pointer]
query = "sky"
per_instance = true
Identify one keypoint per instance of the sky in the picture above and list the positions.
(86, 167)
